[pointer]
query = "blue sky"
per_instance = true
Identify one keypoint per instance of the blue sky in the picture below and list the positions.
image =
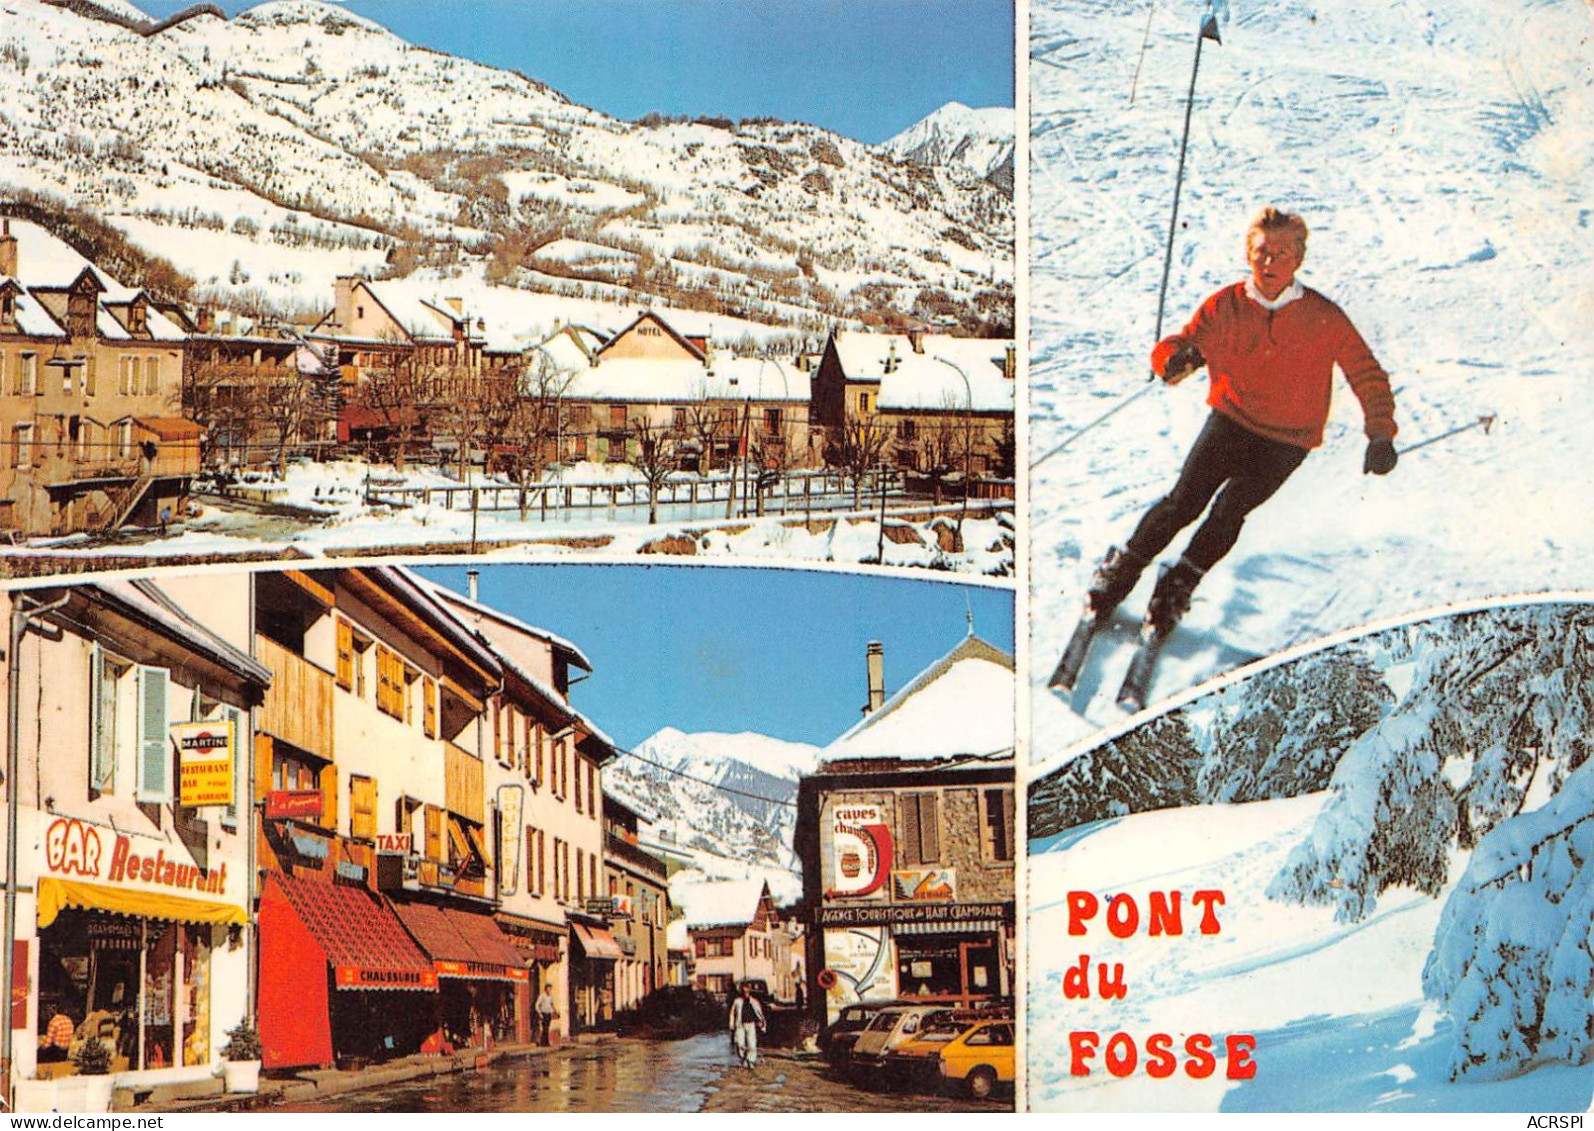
(866, 69)
(773, 651)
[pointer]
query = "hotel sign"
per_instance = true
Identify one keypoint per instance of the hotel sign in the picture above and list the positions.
(204, 762)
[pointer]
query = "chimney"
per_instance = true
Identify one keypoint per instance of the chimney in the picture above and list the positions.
(1010, 364)
(472, 582)
(891, 357)
(916, 339)
(875, 663)
(343, 300)
(457, 305)
(8, 251)
(205, 319)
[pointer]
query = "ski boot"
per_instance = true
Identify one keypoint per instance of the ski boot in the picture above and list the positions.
(1171, 598)
(1112, 582)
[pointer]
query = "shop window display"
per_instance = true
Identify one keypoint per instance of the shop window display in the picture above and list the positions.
(128, 982)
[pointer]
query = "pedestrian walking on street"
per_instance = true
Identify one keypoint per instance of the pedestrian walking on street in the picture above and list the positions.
(1270, 346)
(747, 1020)
(545, 1015)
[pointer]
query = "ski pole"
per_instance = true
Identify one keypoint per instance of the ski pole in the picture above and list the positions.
(1123, 403)
(1209, 30)
(1484, 422)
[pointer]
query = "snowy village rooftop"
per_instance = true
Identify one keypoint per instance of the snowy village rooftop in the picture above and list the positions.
(717, 903)
(928, 371)
(47, 263)
(722, 378)
(961, 706)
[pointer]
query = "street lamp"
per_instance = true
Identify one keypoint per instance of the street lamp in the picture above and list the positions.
(968, 437)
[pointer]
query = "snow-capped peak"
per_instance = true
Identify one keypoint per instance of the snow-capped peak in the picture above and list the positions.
(979, 140)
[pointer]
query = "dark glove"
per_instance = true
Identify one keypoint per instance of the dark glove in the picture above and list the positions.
(1184, 361)
(1381, 457)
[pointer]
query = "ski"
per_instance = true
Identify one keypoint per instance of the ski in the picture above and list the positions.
(1136, 688)
(1066, 674)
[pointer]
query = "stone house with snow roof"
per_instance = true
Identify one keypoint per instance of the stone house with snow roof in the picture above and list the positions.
(907, 838)
(712, 407)
(735, 934)
(92, 433)
(419, 346)
(940, 402)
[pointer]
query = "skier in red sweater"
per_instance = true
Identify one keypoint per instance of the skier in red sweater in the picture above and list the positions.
(1270, 346)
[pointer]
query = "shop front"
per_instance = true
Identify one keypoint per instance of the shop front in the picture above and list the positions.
(954, 953)
(541, 950)
(341, 980)
(481, 980)
(594, 954)
(129, 945)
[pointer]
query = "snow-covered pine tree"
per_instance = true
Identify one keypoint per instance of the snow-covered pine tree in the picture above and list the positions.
(1288, 727)
(1513, 960)
(1495, 718)
(1151, 767)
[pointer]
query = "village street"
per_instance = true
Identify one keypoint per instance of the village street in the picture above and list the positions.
(695, 1074)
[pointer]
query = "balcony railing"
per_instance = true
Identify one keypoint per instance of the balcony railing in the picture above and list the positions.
(624, 850)
(298, 704)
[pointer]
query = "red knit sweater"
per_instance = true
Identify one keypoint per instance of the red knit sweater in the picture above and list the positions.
(1272, 371)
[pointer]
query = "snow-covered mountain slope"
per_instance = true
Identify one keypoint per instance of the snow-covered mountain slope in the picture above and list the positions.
(721, 800)
(299, 127)
(1337, 1010)
(1442, 157)
(1413, 937)
(980, 141)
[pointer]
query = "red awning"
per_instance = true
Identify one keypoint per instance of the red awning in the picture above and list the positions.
(597, 942)
(442, 935)
(362, 940)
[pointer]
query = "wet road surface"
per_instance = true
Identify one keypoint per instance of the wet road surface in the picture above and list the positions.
(695, 1074)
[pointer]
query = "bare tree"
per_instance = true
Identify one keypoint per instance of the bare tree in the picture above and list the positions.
(855, 448)
(476, 408)
(657, 455)
(221, 397)
(397, 393)
(771, 450)
(540, 419)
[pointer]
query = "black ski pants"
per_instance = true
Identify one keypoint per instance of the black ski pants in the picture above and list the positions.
(1241, 468)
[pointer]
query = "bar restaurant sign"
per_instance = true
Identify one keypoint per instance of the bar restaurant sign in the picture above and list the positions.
(204, 762)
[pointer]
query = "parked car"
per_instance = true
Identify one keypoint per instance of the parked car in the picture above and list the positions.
(916, 1061)
(888, 1029)
(838, 1039)
(981, 1057)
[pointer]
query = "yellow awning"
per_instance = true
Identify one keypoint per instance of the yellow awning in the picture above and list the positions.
(56, 894)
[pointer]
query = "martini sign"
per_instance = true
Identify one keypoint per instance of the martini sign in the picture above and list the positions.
(204, 762)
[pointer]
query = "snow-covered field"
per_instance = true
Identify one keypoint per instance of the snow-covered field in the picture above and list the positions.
(340, 520)
(1337, 1009)
(1380, 858)
(1441, 155)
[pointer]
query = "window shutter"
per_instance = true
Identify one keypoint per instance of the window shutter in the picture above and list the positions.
(241, 746)
(498, 729)
(345, 655)
(1007, 824)
(911, 850)
(929, 828)
(154, 748)
(102, 724)
(429, 690)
